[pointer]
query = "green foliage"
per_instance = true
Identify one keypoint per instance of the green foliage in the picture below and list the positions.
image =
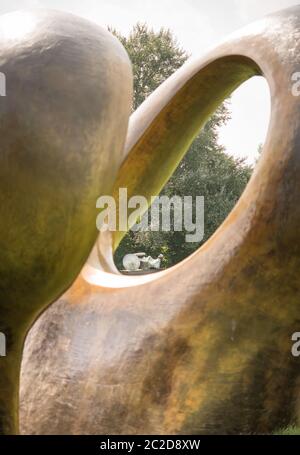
(204, 171)
(154, 57)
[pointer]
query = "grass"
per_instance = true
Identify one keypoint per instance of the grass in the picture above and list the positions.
(289, 431)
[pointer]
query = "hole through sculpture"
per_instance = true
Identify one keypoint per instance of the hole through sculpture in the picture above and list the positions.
(203, 347)
(207, 176)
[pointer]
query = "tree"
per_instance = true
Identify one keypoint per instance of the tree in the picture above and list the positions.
(205, 170)
(154, 57)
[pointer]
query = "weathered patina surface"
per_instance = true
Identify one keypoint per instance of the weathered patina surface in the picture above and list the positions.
(63, 123)
(203, 347)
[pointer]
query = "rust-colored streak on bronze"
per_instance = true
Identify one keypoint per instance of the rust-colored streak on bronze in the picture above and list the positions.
(203, 347)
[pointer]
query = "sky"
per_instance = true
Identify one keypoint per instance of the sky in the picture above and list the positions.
(198, 26)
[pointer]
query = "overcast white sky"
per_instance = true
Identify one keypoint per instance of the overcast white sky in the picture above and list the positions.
(198, 25)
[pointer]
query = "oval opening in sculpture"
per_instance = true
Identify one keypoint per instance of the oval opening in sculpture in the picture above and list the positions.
(249, 91)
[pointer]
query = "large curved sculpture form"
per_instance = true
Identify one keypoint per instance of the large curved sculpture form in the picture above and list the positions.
(63, 123)
(203, 347)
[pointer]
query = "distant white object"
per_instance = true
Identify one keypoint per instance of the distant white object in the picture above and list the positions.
(136, 261)
(131, 262)
(148, 262)
(144, 263)
(154, 263)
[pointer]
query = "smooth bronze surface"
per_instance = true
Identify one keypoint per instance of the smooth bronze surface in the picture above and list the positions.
(62, 130)
(205, 346)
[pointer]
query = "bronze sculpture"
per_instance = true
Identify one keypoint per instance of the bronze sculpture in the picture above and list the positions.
(63, 123)
(203, 347)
